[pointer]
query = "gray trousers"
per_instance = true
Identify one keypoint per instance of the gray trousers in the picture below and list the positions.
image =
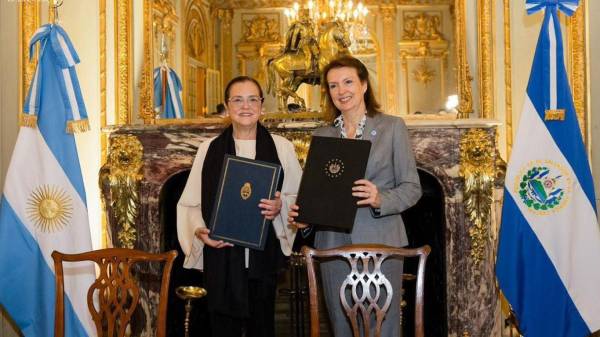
(333, 274)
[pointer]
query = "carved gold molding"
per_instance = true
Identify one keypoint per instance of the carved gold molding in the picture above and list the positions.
(103, 136)
(164, 23)
(195, 34)
(508, 78)
(263, 27)
(122, 173)
(29, 21)
(102, 48)
(423, 50)
(486, 56)
(576, 35)
(123, 54)
(422, 26)
(196, 51)
(253, 4)
(389, 56)
(146, 85)
(226, 17)
(477, 168)
(465, 107)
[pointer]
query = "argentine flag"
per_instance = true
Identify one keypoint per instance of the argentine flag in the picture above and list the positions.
(43, 207)
(167, 93)
(549, 246)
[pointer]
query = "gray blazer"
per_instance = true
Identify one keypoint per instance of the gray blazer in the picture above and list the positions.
(391, 167)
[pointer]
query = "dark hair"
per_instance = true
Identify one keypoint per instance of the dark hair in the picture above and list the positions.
(220, 108)
(240, 79)
(373, 107)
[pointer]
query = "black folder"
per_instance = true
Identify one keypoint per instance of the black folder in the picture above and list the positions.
(325, 193)
(236, 217)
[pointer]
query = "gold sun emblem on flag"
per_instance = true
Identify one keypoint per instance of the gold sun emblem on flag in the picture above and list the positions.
(50, 208)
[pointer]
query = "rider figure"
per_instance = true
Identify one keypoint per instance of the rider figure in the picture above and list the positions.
(301, 37)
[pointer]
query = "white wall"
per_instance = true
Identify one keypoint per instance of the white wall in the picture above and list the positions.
(80, 20)
(9, 92)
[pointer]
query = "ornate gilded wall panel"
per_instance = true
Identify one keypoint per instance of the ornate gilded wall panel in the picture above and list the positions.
(29, 21)
(226, 16)
(576, 36)
(465, 107)
(146, 112)
(388, 12)
(263, 27)
(424, 52)
(486, 56)
(198, 61)
(508, 78)
(123, 55)
(164, 30)
(103, 136)
(250, 4)
(260, 41)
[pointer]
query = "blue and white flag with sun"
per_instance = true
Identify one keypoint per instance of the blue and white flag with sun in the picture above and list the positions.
(167, 93)
(43, 206)
(549, 245)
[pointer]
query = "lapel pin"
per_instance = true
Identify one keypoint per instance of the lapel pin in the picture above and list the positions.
(373, 133)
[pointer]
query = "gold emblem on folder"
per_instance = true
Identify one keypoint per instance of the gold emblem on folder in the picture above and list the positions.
(246, 191)
(334, 168)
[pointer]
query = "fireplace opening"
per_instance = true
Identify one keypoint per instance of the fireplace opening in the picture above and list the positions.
(425, 224)
(199, 322)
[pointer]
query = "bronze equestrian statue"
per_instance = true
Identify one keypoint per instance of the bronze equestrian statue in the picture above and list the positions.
(304, 57)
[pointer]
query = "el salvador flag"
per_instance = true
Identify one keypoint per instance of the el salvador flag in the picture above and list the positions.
(549, 245)
(170, 87)
(43, 207)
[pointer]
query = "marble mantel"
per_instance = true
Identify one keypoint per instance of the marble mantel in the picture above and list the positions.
(460, 154)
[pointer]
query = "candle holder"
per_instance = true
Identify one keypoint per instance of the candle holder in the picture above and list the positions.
(188, 294)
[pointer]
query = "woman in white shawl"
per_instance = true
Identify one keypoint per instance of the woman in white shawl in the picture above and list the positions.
(240, 282)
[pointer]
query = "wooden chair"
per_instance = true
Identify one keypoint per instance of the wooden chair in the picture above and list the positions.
(115, 288)
(365, 282)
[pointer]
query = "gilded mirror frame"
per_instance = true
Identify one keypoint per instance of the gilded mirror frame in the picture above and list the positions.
(146, 111)
(484, 67)
(463, 76)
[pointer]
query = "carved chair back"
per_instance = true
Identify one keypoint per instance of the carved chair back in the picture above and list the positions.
(114, 295)
(365, 293)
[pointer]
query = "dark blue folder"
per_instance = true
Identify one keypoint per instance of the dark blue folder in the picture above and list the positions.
(236, 217)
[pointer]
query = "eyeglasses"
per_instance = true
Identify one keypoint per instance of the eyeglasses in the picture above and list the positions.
(238, 101)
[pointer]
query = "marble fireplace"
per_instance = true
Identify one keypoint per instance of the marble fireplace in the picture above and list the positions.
(458, 156)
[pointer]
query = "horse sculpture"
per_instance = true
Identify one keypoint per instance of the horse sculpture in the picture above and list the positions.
(293, 70)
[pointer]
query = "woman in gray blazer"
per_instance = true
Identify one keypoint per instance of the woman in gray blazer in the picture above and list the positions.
(391, 185)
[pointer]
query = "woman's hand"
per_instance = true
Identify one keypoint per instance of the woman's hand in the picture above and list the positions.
(271, 208)
(368, 192)
(292, 214)
(202, 234)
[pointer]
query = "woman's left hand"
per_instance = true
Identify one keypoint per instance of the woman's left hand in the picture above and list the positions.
(368, 192)
(271, 208)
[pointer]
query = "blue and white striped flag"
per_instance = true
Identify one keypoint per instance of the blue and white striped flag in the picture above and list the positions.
(43, 207)
(549, 246)
(170, 105)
